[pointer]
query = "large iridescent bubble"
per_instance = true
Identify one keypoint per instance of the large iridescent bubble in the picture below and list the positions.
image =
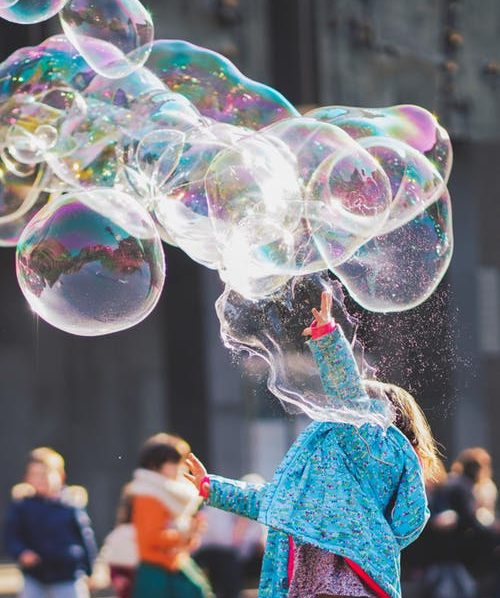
(400, 269)
(91, 263)
(114, 36)
(215, 86)
(225, 166)
(29, 11)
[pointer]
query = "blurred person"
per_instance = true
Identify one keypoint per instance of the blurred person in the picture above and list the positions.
(232, 549)
(471, 494)
(167, 524)
(463, 529)
(473, 465)
(48, 532)
(120, 550)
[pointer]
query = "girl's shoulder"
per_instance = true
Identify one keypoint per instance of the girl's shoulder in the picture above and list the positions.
(387, 445)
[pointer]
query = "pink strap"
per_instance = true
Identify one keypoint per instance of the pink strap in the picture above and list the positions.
(319, 331)
(205, 487)
(291, 559)
(367, 579)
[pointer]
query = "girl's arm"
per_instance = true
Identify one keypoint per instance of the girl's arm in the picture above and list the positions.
(410, 511)
(241, 498)
(335, 360)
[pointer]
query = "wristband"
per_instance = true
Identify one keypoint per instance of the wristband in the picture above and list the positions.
(319, 331)
(205, 487)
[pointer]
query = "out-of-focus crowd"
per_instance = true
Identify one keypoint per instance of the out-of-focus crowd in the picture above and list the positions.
(165, 544)
(458, 554)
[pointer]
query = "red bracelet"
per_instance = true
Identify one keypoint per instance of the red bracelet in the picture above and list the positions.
(319, 331)
(205, 487)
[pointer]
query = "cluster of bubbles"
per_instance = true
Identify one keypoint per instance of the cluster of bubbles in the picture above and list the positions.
(112, 142)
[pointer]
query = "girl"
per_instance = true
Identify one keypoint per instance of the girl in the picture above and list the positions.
(345, 500)
(164, 514)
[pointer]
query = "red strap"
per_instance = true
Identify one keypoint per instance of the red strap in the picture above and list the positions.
(319, 331)
(291, 558)
(366, 579)
(205, 487)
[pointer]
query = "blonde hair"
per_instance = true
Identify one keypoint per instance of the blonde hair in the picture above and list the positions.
(48, 457)
(411, 421)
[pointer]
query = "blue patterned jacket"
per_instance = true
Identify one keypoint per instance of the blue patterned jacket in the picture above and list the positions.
(355, 491)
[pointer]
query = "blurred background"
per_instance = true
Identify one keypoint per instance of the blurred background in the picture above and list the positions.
(96, 399)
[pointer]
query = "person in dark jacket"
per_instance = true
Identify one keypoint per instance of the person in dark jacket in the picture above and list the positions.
(48, 532)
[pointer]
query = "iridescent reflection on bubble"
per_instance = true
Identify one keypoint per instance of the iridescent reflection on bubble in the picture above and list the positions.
(91, 263)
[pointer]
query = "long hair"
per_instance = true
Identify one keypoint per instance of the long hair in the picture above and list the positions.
(411, 421)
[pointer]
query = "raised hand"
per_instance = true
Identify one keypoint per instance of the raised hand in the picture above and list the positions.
(197, 474)
(323, 316)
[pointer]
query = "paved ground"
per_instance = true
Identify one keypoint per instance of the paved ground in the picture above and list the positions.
(10, 583)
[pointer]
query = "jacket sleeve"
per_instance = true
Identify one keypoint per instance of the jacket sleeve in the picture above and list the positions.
(410, 511)
(241, 498)
(14, 541)
(87, 536)
(338, 370)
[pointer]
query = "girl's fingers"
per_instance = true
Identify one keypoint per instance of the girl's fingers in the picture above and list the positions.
(307, 331)
(326, 304)
(317, 315)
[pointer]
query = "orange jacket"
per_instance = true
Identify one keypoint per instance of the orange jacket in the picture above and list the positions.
(156, 543)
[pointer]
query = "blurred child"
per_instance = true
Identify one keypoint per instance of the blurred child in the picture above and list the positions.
(167, 524)
(120, 550)
(48, 532)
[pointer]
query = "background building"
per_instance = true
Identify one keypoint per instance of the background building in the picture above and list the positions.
(95, 399)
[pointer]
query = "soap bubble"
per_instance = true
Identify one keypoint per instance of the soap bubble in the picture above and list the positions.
(226, 167)
(158, 154)
(215, 86)
(30, 11)
(114, 36)
(415, 182)
(252, 180)
(21, 196)
(349, 200)
(182, 206)
(31, 148)
(401, 269)
(88, 155)
(411, 124)
(91, 263)
(52, 64)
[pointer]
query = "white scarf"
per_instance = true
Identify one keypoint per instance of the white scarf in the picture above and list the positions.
(178, 496)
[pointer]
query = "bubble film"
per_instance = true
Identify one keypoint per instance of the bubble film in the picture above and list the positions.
(400, 269)
(114, 36)
(411, 124)
(21, 197)
(215, 86)
(220, 165)
(269, 333)
(91, 263)
(29, 11)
